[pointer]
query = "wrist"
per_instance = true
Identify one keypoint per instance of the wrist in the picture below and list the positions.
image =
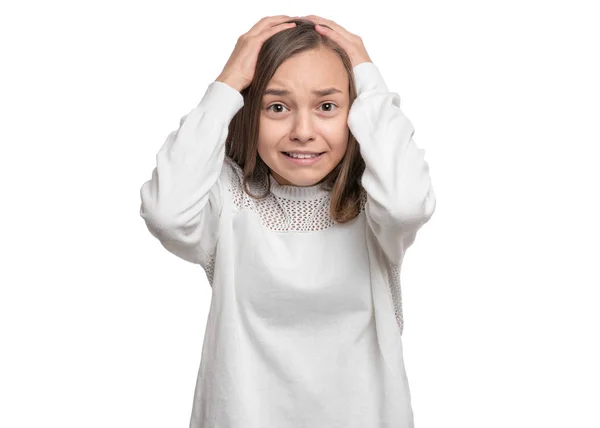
(235, 84)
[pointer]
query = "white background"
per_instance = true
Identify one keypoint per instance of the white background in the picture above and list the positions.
(102, 327)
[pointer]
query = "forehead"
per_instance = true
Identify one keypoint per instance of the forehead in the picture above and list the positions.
(310, 71)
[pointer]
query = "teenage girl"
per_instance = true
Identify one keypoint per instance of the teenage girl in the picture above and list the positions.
(296, 185)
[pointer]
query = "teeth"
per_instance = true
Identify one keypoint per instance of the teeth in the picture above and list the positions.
(293, 155)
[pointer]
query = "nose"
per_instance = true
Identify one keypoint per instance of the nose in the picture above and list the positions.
(303, 127)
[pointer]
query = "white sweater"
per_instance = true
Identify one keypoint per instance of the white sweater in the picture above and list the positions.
(305, 323)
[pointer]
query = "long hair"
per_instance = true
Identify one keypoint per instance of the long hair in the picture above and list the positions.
(242, 140)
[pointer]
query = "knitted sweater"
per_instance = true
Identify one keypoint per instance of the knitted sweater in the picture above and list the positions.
(305, 322)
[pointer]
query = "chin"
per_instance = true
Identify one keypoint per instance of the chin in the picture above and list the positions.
(308, 183)
(299, 181)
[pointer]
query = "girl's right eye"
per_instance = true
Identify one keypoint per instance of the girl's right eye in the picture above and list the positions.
(276, 104)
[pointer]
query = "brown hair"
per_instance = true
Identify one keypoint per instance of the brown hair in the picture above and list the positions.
(242, 139)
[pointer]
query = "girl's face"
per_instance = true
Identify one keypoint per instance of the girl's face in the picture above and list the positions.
(294, 118)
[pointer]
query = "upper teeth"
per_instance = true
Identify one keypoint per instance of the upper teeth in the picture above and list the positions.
(300, 156)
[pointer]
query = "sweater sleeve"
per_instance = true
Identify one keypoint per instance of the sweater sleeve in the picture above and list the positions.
(400, 197)
(182, 201)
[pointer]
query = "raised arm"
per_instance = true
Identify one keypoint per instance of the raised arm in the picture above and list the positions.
(182, 202)
(400, 197)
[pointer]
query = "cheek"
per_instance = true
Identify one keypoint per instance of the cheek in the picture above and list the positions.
(264, 131)
(270, 131)
(336, 133)
(265, 146)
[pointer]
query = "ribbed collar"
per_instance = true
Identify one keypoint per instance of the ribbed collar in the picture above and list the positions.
(297, 193)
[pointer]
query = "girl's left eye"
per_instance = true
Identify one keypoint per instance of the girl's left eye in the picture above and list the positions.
(329, 104)
(281, 105)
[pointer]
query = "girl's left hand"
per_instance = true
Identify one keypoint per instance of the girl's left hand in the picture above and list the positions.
(351, 43)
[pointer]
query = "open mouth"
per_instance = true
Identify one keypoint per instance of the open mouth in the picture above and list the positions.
(304, 157)
(304, 161)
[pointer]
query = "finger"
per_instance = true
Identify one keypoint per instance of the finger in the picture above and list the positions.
(275, 29)
(333, 25)
(267, 22)
(340, 37)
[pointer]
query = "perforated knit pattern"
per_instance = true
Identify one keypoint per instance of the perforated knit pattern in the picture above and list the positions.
(277, 213)
(281, 215)
(394, 280)
(210, 269)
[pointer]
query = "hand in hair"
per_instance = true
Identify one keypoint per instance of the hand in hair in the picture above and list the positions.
(351, 43)
(239, 69)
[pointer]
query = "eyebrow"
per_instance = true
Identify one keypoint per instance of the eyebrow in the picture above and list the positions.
(318, 92)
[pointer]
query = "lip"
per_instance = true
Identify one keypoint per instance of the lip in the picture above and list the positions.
(303, 162)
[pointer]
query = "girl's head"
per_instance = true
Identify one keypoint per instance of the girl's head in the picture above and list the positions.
(283, 112)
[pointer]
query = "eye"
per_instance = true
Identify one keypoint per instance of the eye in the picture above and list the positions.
(329, 104)
(273, 105)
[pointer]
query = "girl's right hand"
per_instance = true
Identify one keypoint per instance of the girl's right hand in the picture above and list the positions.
(239, 70)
